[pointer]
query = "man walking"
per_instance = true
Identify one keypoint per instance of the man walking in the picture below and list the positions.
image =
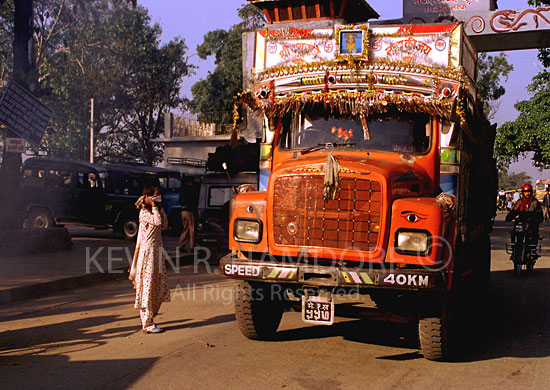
(189, 206)
(546, 204)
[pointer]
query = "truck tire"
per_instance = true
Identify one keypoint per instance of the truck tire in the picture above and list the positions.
(258, 313)
(40, 219)
(130, 228)
(437, 332)
(432, 333)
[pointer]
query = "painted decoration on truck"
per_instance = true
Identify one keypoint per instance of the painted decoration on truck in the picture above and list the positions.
(352, 42)
(301, 50)
(354, 68)
(294, 47)
(430, 50)
(426, 8)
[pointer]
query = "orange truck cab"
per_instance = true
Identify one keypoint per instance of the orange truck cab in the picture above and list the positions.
(377, 179)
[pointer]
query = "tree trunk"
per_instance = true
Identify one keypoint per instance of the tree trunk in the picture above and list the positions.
(11, 214)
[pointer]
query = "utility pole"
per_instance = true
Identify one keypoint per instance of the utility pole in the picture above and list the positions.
(91, 130)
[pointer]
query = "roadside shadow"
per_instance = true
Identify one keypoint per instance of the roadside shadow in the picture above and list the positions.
(30, 357)
(210, 321)
(61, 372)
(374, 332)
(515, 322)
(63, 310)
(45, 337)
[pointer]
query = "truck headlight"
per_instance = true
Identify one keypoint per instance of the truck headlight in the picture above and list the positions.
(412, 241)
(247, 230)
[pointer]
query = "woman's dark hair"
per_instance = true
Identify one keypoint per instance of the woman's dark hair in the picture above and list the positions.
(147, 190)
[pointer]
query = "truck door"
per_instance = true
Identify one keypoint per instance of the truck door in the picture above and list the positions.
(57, 193)
(88, 198)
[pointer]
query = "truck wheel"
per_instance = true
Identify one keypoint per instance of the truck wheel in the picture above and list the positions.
(258, 312)
(40, 219)
(437, 332)
(130, 228)
(433, 333)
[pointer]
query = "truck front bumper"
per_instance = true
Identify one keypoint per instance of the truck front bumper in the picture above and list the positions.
(234, 267)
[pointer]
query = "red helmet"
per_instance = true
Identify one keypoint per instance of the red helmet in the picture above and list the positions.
(527, 190)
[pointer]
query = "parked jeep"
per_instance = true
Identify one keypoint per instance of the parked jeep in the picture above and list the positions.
(216, 191)
(57, 191)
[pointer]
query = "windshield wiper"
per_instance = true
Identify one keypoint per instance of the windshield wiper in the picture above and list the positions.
(326, 146)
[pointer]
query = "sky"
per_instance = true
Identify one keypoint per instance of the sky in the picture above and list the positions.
(192, 19)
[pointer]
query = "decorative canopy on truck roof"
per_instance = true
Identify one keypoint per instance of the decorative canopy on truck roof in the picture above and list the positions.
(279, 11)
(359, 70)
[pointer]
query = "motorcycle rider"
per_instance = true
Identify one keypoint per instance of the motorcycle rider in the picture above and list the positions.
(529, 210)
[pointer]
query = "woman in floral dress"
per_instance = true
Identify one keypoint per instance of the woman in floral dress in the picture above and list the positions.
(148, 270)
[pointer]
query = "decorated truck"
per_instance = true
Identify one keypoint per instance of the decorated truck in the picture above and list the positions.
(377, 178)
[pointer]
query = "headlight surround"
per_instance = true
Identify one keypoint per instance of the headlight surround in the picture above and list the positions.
(415, 242)
(519, 228)
(247, 230)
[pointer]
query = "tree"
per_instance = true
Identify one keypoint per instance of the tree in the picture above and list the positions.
(544, 53)
(6, 40)
(490, 72)
(22, 72)
(151, 87)
(216, 92)
(512, 181)
(110, 53)
(107, 50)
(530, 131)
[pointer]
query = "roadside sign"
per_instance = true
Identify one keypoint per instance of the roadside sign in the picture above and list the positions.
(24, 114)
(15, 145)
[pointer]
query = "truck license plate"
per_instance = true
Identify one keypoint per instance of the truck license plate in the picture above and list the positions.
(318, 309)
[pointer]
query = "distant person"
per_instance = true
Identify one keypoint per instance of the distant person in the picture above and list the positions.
(189, 207)
(508, 201)
(527, 209)
(501, 199)
(148, 271)
(546, 204)
(515, 197)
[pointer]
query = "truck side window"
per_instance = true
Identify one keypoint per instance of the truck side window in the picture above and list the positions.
(33, 177)
(92, 180)
(86, 180)
(59, 179)
(82, 180)
(218, 196)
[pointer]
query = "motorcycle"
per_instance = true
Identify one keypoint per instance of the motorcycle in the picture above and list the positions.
(524, 249)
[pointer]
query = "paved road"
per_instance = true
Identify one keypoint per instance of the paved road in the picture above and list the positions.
(90, 339)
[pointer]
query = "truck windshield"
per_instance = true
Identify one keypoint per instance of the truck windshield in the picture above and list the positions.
(396, 132)
(170, 183)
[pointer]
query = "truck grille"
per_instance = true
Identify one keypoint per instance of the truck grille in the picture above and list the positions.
(301, 217)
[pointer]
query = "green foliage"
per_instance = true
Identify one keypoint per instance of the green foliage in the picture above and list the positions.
(530, 132)
(544, 53)
(491, 70)
(6, 39)
(512, 181)
(216, 92)
(107, 50)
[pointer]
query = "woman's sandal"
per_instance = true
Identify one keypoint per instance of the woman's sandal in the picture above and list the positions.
(154, 330)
